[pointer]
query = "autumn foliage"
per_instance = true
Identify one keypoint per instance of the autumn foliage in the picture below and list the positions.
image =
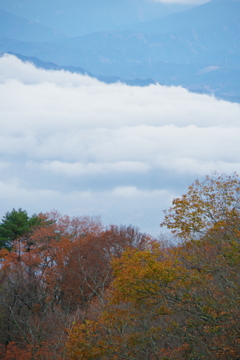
(56, 275)
(180, 302)
(74, 290)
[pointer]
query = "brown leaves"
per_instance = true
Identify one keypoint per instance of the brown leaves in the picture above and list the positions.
(59, 274)
(14, 352)
(122, 295)
(175, 303)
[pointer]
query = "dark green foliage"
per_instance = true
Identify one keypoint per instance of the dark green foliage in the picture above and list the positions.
(16, 224)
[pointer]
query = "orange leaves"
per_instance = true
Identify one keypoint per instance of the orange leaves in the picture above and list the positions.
(141, 272)
(14, 352)
(85, 342)
(182, 303)
(59, 274)
(146, 295)
(124, 296)
(45, 279)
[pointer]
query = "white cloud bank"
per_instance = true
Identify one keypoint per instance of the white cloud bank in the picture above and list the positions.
(80, 146)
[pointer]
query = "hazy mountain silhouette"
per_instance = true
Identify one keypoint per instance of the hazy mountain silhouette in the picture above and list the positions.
(17, 27)
(198, 49)
(78, 70)
(215, 12)
(75, 17)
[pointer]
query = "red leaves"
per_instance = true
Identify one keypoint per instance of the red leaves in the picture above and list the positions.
(58, 275)
(14, 352)
(122, 295)
(176, 303)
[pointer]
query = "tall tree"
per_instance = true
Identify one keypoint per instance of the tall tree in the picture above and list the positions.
(178, 303)
(208, 204)
(56, 275)
(16, 224)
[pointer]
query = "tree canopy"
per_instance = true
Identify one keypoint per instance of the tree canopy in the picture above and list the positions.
(208, 204)
(16, 224)
(71, 289)
(180, 302)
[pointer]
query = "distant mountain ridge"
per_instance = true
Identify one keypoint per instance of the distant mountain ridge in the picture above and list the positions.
(73, 69)
(200, 52)
(17, 27)
(209, 14)
(77, 17)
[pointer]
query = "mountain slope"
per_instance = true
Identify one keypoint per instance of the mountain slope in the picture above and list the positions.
(78, 70)
(16, 27)
(115, 48)
(75, 17)
(204, 16)
(222, 81)
(118, 53)
(204, 59)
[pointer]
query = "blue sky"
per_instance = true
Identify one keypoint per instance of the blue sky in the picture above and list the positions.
(74, 144)
(193, 2)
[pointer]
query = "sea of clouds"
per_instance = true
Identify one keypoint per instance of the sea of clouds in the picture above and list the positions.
(72, 143)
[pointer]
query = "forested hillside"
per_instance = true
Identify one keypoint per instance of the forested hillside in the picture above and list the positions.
(72, 289)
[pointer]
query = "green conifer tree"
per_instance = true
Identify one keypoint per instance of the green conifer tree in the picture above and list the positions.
(16, 224)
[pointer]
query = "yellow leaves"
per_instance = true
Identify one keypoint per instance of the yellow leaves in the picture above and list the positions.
(140, 272)
(157, 297)
(213, 200)
(83, 342)
(176, 304)
(164, 310)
